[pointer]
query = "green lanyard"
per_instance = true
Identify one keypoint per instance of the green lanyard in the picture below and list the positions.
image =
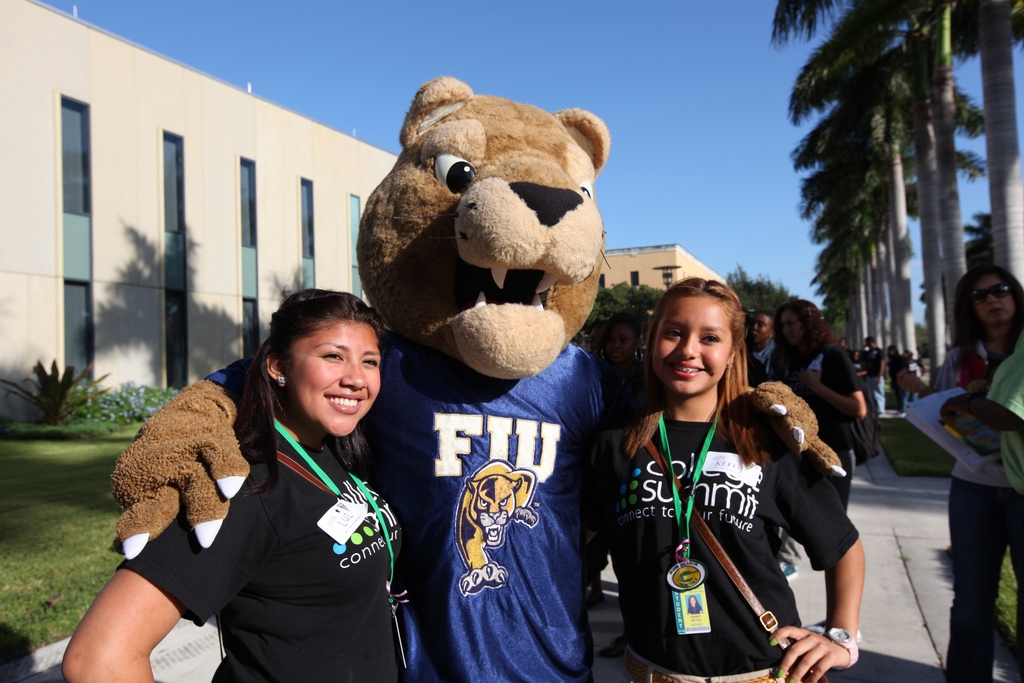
(336, 491)
(683, 551)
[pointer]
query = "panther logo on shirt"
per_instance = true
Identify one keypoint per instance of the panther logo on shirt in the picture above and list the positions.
(492, 498)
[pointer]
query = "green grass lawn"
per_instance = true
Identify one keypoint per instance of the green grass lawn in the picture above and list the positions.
(913, 454)
(57, 519)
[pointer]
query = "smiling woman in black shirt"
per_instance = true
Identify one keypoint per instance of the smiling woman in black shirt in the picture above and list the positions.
(695, 420)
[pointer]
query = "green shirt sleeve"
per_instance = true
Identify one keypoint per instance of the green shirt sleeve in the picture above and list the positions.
(1008, 391)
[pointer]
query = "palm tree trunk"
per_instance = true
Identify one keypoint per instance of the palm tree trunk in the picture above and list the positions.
(903, 317)
(862, 312)
(895, 304)
(928, 210)
(870, 295)
(1001, 145)
(954, 263)
(884, 296)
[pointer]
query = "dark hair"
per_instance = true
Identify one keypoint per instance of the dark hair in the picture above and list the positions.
(301, 314)
(748, 435)
(817, 332)
(767, 314)
(621, 318)
(967, 328)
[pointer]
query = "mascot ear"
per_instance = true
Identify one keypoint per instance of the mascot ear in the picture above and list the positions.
(589, 132)
(434, 101)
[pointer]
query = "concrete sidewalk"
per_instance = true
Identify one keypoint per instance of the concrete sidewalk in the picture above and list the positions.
(904, 615)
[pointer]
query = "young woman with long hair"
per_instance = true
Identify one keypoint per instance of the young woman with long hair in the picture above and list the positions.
(300, 578)
(821, 373)
(985, 513)
(700, 427)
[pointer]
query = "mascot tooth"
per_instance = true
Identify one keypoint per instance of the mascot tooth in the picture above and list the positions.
(481, 249)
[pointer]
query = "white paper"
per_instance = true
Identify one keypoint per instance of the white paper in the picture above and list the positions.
(924, 414)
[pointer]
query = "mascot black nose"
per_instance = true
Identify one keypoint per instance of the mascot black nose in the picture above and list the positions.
(549, 203)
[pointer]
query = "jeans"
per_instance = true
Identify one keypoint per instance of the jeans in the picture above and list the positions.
(877, 387)
(983, 520)
(902, 397)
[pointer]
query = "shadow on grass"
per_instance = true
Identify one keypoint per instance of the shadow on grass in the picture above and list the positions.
(48, 483)
(13, 643)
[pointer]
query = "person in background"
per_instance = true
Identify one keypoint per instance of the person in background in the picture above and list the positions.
(762, 345)
(695, 366)
(619, 344)
(874, 363)
(295, 602)
(894, 364)
(819, 372)
(986, 514)
(911, 365)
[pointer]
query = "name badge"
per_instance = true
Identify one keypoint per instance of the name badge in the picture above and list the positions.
(342, 519)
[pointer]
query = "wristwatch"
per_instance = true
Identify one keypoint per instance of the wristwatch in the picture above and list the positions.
(842, 638)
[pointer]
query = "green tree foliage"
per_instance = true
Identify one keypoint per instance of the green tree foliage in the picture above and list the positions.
(979, 244)
(640, 301)
(760, 293)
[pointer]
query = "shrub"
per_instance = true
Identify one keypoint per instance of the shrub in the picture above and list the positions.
(57, 395)
(130, 403)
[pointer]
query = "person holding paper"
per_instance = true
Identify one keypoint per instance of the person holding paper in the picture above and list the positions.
(985, 513)
(301, 578)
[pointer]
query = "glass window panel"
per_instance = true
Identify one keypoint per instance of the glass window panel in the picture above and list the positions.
(634, 278)
(354, 211)
(249, 281)
(77, 325)
(77, 247)
(308, 274)
(250, 328)
(174, 260)
(248, 193)
(307, 219)
(75, 156)
(174, 181)
(177, 339)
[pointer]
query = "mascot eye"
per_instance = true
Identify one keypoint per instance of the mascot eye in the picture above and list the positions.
(456, 174)
(588, 189)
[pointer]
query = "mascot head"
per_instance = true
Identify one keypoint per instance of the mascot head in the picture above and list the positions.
(485, 240)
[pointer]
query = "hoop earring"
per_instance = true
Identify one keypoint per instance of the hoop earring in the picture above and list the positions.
(281, 380)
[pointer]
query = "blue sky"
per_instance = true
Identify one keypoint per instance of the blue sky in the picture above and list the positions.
(693, 92)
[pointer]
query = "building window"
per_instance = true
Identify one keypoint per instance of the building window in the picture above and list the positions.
(308, 268)
(248, 189)
(354, 212)
(250, 290)
(175, 298)
(600, 281)
(634, 278)
(77, 234)
(78, 328)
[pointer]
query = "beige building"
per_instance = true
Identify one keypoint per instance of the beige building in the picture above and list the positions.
(152, 217)
(651, 265)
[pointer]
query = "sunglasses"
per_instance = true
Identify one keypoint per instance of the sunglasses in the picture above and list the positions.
(999, 291)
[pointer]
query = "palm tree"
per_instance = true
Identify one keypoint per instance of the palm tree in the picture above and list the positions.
(1006, 194)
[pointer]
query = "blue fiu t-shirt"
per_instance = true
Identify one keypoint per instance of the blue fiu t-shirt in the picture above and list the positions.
(485, 476)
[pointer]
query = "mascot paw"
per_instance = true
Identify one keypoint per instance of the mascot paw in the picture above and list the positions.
(525, 516)
(185, 454)
(490, 575)
(795, 424)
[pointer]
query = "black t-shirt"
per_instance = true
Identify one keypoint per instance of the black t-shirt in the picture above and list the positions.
(839, 375)
(893, 364)
(873, 361)
(743, 507)
(294, 605)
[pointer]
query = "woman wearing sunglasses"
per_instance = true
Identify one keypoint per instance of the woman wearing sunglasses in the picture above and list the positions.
(985, 513)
